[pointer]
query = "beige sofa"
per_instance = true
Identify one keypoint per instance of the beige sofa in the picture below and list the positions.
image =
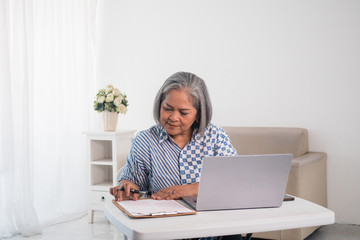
(307, 177)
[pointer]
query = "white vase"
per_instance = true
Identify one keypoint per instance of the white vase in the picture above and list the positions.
(110, 120)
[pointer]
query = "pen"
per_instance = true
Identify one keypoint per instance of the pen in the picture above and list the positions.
(133, 191)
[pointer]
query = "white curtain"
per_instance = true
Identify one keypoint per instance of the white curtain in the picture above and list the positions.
(46, 73)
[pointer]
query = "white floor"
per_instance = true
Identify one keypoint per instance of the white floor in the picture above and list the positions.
(80, 229)
(102, 229)
(336, 232)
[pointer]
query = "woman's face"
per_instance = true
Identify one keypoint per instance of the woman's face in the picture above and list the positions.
(177, 113)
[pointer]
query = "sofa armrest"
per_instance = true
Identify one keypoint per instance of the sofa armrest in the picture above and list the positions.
(307, 178)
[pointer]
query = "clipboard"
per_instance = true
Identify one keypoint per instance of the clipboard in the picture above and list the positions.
(154, 208)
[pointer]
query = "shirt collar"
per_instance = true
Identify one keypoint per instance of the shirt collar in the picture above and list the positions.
(197, 137)
(163, 136)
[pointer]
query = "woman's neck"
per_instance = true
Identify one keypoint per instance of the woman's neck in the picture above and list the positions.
(182, 139)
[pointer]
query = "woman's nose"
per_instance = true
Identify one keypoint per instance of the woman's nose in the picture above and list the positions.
(174, 116)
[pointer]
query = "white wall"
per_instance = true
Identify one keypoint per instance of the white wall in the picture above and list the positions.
(266, 63)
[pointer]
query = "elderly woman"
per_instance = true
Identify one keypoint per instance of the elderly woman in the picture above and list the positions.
(166, 159)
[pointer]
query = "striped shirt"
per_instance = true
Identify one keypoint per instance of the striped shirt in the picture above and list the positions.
(156, 162)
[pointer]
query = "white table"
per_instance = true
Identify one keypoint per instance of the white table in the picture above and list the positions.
(294, 214)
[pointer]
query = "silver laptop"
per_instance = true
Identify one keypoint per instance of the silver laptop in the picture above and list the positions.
(245, 181)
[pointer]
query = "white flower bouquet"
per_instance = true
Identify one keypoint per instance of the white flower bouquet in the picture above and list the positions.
(111, 99)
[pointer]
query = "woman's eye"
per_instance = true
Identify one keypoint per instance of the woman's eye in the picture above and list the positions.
(167, 109)
(184, 113)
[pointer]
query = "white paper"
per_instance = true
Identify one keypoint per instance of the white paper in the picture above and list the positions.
(153, 207)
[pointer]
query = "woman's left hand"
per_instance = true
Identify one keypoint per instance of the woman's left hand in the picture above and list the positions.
(176, 192)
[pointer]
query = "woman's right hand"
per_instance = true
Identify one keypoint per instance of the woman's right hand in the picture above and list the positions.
(124, 194)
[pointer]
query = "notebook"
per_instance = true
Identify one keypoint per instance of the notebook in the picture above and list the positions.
(241, 182)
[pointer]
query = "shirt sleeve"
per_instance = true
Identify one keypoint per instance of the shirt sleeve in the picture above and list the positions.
(223, 145)
(135, 168)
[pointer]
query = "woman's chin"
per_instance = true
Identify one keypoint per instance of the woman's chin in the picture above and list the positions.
(172, 130)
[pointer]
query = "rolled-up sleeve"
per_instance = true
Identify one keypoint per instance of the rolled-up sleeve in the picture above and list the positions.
(223, 144)
(135, 169)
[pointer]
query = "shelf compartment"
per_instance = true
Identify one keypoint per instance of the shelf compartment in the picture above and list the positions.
(100, 150)
(101, 177)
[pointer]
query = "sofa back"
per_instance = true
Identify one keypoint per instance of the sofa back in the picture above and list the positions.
(268, 140)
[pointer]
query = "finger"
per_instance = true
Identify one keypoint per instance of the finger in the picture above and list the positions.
(115, 191)
(135, 196)
(120, 195)
(156, 196)
(127, 190)
(163, 194)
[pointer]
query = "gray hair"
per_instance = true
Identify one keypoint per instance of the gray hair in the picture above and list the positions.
(198, 93)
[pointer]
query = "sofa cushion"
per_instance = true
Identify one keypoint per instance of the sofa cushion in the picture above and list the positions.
(268, 140)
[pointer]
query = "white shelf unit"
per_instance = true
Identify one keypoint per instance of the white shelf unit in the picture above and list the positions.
(107, 152)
